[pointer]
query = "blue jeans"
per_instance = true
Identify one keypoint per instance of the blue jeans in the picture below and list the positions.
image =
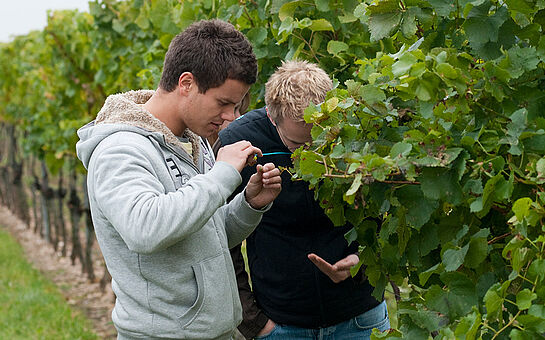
(359, 327)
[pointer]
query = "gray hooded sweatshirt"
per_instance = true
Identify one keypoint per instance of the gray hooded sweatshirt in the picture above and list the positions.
(163, 225)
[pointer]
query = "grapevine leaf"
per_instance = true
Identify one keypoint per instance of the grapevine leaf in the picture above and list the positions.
(372, 94)
(355, 185)
(494, 299)
(336, 215)
(439, 184)
(525, 298)
(537, 269)
(540, 169)
(469, 325)
(400, 149)
(381, 25)
(493, 303)
(443, 7)
(419, 209)
(453, 258)
(288, 9)
(321, 25)
(478, 250)
(521, 207)
(309, 164)
(426, 319)
(456, 299)
(335, 47)
(322, 5)
(404, 64)
(408, 22)
(257, 36)
(424, 276)
(482, 205)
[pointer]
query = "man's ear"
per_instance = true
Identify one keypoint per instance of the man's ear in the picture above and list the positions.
(185, 82)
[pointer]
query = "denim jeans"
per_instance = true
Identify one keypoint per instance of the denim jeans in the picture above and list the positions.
(359, 327)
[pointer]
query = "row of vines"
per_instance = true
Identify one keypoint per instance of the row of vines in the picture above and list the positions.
(436, 126)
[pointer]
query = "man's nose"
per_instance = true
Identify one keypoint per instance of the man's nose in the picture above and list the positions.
(229, 114)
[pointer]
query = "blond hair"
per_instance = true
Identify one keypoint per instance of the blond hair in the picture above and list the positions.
(292, 87)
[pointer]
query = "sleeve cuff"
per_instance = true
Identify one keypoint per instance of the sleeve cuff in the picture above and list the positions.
(250, 328)
(262, 210)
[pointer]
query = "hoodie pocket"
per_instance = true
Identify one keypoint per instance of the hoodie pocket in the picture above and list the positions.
(212, 311)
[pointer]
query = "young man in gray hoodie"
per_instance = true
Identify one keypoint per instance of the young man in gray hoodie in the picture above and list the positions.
(158, 197)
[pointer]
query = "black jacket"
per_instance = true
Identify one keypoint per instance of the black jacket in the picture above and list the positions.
(287, 286)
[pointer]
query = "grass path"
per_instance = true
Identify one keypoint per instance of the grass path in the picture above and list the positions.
(31, 307)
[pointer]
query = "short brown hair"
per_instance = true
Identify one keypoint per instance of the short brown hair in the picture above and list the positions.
(213, 51)
(292, 87)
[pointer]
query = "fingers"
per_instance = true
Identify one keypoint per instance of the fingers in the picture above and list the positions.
(270, 175)
(238, 154)
(339, 271)
(347, 263)
(251, 160)
(322, 264)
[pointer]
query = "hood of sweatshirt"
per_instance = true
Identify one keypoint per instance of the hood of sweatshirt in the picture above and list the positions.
(125, 112)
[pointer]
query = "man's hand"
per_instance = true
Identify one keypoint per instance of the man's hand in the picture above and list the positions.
(238, 154)
(267, 329)
(338, 272)
(263, 186)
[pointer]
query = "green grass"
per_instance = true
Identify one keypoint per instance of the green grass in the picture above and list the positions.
(31, 307)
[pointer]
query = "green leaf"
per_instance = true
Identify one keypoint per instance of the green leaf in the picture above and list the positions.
(482, 205)
(309, 164)
(359, 12)
(425, 319)
(478, 250)
(319, 25)
(469, 326)
(372, 94)
(493, 302)
(286, 27)
(537, 269)
(540, 169)
(447, 71)
(335, 47)
(482, 30)
(454, 258)
(400, 149)
(474, 186)
(161, 17)
(456, 299)
(336, 214)
(521, 207)
(443, 7)
(404, 64)
(525, 298)
(424, 276)
(332, 103)
(419, 209)
(494, 299)
(257, 36)
(322, 5)
(355, 185)
(288, 9)
(382, 25)
(438, 183)
(408, 23)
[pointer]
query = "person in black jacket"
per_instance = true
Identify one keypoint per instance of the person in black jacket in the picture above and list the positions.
(299, 262)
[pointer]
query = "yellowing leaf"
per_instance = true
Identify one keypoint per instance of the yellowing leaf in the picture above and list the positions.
(332, 103)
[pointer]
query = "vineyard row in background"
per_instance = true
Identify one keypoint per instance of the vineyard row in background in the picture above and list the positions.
(56, 208)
